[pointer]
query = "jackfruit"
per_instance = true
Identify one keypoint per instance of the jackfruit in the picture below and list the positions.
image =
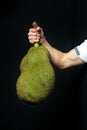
(37, 75)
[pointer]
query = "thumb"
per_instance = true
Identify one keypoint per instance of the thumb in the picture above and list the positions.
(38, 29)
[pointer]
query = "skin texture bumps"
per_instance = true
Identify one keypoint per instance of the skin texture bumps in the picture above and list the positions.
(37, 75)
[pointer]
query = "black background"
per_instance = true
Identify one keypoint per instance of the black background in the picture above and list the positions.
(65, 26)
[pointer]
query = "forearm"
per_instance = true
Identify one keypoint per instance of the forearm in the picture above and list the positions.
(60, 59)
(56, 56)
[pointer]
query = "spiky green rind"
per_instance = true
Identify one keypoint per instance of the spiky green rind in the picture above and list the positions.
(37, 77)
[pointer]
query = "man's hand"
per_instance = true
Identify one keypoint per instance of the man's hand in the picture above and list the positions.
(36, 35)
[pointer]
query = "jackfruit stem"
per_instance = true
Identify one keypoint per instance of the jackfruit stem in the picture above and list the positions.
(35, 25)
(36, 45)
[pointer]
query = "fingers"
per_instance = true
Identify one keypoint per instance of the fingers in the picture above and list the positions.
(34, 35)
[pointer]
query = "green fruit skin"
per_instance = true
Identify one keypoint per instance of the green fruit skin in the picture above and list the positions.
(37, 76)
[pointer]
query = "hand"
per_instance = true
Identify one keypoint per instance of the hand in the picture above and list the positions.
(36, 35)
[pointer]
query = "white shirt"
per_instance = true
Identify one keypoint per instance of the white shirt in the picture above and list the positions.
(81, 51)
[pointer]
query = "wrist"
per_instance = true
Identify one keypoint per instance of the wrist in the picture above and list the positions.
(43, 41)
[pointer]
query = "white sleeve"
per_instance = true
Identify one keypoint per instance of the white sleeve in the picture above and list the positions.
(81, 51)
